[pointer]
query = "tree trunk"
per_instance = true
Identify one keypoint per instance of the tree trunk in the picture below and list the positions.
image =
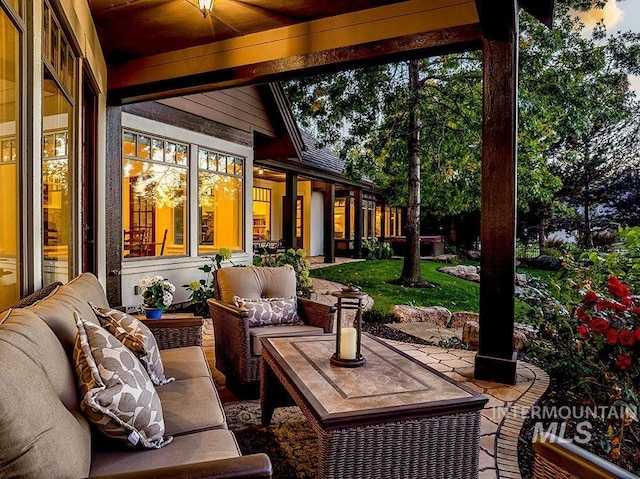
(586, 198)
(411, 272)
(542, 237)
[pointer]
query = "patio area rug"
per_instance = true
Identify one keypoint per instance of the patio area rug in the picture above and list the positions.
(289, 440)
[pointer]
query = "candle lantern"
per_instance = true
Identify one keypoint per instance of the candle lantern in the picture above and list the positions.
(348, 336)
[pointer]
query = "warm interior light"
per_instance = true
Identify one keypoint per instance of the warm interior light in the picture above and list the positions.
(205, 6)
(260, 171)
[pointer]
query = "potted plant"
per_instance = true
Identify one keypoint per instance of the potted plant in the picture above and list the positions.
(157, 295)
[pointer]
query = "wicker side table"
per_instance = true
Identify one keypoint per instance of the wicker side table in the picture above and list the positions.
(175, 330)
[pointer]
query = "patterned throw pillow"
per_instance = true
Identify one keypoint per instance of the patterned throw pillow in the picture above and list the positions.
(117, 394)
(269, 311)
(137, 337)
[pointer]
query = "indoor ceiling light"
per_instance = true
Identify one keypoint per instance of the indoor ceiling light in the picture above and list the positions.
(260, 171)
(205, 6)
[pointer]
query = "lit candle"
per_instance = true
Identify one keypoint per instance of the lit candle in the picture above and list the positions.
(348, 343)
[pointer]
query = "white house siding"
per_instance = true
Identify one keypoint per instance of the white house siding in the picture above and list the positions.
(316, 247)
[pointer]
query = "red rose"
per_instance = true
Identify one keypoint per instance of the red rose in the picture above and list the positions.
(624, 361)
(635, 310)
(604, 304)
(638, 334)
(618, 289)
(612, 336)
(582, 314)
(626, 338)
(590, 299)
(583, 331)
(598, 325)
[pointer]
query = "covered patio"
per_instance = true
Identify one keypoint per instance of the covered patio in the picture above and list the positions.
(242, 43)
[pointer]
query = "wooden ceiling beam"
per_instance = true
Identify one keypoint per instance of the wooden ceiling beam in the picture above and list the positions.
(392, 30)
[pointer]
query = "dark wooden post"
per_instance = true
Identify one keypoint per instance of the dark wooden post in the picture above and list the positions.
(289, 211)
(329, 220)
(495, 360)
(357, 230)
(113, 193)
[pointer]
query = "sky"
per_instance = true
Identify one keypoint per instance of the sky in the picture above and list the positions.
(619, 16)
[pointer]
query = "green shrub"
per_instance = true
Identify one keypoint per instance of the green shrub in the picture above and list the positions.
(376, 249)
(548, 262)
(294, 259)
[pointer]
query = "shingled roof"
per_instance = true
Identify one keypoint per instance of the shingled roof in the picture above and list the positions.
(323, 158)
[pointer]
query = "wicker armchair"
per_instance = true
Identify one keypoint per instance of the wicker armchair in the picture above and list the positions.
(237, 345)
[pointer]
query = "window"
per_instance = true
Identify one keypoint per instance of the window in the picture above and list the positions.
(154, 196)
(57, 152)
(393, 221)
(340, 218)
(261, 214)
(368, 218)
(220, 201)
(378, 221)
(10, 108)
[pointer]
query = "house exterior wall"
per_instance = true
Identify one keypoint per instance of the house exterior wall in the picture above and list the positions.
(316, 247)
(181, 270)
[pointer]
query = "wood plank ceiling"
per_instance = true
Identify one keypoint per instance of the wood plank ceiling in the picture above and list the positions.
(161, 48)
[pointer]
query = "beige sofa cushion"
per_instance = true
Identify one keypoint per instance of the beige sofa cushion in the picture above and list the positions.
(40, 437)
(32, 336)
(184, 363)
(57, 309)
(117, 394)
(255, 283)
(184, 450)
(285, 330)
(191, 405)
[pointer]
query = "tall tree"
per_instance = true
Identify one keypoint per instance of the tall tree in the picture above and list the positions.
(577, 83)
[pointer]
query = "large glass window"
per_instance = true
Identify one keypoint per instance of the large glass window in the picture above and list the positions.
(261, 214)
(340, 218)
(154, 196)
(220, 201)
(57, 152)
(368, 218)
(10, 90)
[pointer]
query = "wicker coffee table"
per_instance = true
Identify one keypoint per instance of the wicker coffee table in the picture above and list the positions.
(391, 418)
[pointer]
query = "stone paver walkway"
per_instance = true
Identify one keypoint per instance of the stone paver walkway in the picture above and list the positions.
(503, 414)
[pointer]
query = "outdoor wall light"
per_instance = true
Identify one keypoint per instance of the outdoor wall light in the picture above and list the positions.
(348, 337)
(205, 6)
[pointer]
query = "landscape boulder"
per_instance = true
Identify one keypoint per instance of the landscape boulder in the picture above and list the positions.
(471, 273)
(436, 315)
(470, 335)
(471, 331)
(460, 317)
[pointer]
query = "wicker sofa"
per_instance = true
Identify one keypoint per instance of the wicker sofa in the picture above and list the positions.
(238, 347)
(45, 434)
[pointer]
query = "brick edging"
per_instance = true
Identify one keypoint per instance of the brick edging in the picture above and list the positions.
(506, 448)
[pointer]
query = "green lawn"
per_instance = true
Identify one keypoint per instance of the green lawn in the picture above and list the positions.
(374, 276)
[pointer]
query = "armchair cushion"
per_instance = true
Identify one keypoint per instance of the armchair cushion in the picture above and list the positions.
(269, 311)
(285, 330)
(255, 283)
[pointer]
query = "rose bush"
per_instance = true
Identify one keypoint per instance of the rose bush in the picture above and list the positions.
(609, 329)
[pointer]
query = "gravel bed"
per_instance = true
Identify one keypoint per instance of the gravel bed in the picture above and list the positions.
(382, 331)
